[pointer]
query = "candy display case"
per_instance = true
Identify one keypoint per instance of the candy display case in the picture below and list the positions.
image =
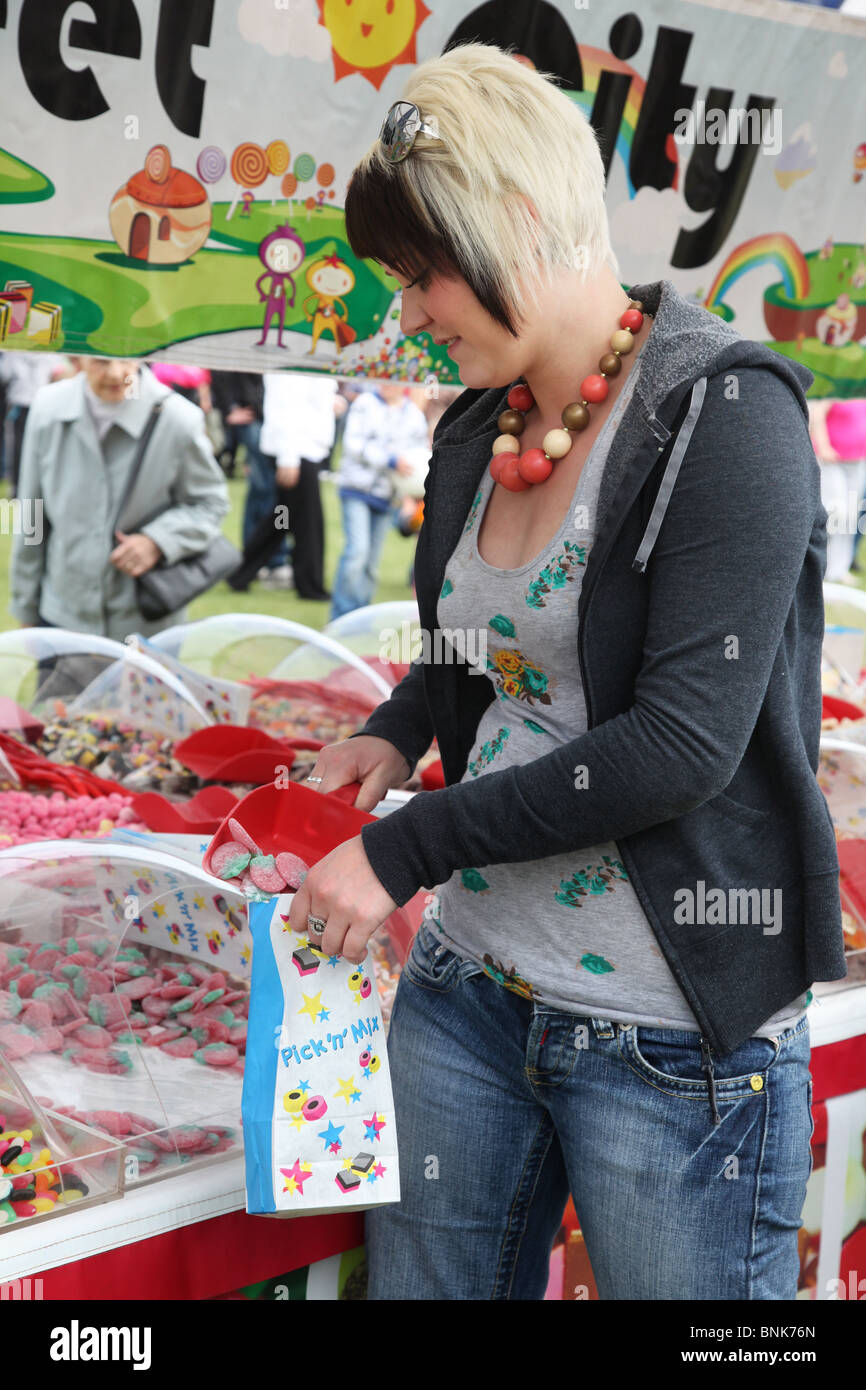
(124, 993)
(384, 634)
(50, 1163)
(99, 706)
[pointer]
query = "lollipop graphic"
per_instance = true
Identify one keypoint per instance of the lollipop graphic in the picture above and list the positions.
(277, 154)
(289, 187)
(211, 164)
(249, 169)
(157, 164)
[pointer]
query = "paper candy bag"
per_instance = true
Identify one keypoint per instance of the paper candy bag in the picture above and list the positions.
(318, 1116)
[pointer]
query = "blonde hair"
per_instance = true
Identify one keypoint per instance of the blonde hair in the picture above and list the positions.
(454, 202)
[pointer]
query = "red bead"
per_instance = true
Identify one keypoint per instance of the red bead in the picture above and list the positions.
(520, 398)
(509, 476)
(534, 466)
(594, 389)
(632, 318)
(496, 465)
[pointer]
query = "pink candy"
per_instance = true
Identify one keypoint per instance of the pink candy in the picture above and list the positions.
(25, 816)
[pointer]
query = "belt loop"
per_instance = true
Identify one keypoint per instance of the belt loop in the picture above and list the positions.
(602, 1027)
(707, 1068)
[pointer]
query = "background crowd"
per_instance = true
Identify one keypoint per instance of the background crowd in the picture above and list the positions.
(71, 431)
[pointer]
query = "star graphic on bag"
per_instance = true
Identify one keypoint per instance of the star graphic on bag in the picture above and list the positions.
(331, 1136)
(373, 1126)
(296, 1176)
(345, 1089)
(312, 1005)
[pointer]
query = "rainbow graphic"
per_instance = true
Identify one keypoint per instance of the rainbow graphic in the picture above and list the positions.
(776, 248)
(595, 61)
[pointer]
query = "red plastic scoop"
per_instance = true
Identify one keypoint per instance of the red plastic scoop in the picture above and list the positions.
(199, 816)
(834, 708)
(311, 824)
(232, 753)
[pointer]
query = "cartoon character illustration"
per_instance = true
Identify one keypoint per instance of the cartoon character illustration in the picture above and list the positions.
(281, 253)
(329, 278)
(372, 38)
(214, 942)
(835, 327)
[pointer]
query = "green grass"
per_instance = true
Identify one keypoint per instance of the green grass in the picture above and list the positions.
(284, 603)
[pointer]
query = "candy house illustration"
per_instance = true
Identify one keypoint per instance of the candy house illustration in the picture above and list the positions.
(162, 214)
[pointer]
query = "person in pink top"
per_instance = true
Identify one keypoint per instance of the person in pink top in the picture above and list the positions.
(838, 430)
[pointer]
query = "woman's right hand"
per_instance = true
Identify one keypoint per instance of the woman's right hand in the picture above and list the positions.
(372, 761)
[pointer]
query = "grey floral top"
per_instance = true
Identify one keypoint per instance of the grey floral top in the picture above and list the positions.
(567, 931)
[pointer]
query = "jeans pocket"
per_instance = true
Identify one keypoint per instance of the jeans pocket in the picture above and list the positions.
(671, 1059)
(432, 965)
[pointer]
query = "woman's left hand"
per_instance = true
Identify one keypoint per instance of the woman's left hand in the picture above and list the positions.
(342, 889)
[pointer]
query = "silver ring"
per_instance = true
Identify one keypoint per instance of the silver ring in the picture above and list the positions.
(314, 779)
(317, 925)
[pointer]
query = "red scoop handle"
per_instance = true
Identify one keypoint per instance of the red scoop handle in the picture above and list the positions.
(347, 793)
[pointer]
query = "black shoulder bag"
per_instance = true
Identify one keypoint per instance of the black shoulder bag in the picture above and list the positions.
(166, 588)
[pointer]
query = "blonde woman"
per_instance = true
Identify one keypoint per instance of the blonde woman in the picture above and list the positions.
(635, 870)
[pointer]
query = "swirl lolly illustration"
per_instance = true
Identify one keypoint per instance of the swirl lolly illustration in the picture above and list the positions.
(249, 169)
(304, 168)
(278, 157)
(289, 187)
(211, 164)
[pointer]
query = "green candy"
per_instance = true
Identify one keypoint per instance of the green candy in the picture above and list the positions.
(213, 996)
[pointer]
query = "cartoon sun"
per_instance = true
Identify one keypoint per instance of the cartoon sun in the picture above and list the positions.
(371, 36)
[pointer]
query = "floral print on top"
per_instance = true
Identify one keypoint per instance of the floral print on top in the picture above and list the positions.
(565, 930)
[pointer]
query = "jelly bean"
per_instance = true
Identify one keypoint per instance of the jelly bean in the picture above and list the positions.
(45, 1203)
(70, 1194)
(24, 1209)
(7, 1214)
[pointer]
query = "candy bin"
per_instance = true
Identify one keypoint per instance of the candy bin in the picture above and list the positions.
(49, 1164)
(300, 683)
(124, 989)
(386, 635)
(104, 707)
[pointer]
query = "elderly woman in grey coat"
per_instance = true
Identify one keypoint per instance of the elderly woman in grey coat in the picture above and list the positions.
(77, 568)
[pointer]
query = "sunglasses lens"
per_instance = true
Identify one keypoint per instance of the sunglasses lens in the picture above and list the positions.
(399, 129)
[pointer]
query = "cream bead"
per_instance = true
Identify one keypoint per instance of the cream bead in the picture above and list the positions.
(506, 444)
(556, 443)
(622, 340)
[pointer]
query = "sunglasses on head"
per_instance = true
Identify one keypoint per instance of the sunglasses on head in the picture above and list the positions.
(400, 128)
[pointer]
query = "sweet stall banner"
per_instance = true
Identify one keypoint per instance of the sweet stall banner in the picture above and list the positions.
(172, 176)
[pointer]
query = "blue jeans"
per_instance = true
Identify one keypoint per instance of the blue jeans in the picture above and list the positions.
(261, 488)
(364, 531)
(503, 1106)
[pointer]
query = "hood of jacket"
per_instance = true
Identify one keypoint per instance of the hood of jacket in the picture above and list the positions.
(687, 344)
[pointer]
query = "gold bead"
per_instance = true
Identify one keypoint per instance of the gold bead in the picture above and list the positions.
(556, 443)
(575, 416)
(511, 422)
(609, 364)
(506, 444)
(636, 304)
(622, 340)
